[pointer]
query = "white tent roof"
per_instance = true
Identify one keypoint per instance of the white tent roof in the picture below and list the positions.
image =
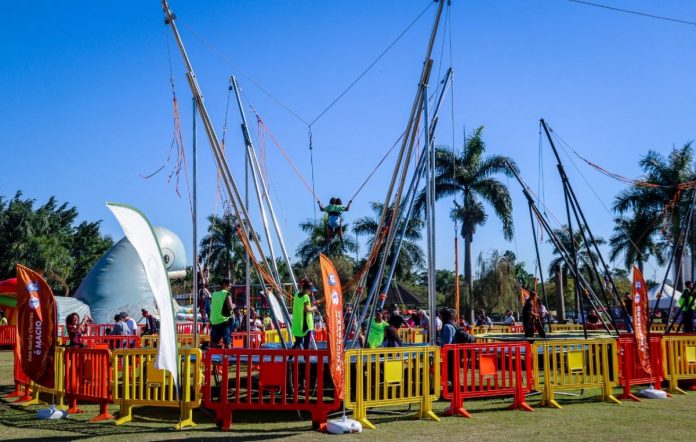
(668, 292)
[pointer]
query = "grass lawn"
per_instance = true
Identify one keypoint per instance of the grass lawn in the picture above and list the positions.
(582, 418)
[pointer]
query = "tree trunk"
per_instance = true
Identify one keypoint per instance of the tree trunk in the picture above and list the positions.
(560, 302)
(468, 271)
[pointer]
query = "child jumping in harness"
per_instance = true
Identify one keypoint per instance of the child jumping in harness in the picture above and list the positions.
(333, 221)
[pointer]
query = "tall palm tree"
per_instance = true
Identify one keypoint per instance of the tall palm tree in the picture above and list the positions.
(470, 178)
(662, 197)
(411, 257)
(585, 258)
(317, 242)
(634, 238)
(221, 249)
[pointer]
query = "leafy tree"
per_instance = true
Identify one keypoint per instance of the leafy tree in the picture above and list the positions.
(495, 289)
(411, 258)
(635, 239)
(317, 242)
(662, 197)
(222, 251)
(46, 240)
(470, 178)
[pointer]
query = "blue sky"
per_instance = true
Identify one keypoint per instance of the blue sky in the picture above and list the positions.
(86, 102)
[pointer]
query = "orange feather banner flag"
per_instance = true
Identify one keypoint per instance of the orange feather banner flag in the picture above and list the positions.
(334, 322)
(640, 319)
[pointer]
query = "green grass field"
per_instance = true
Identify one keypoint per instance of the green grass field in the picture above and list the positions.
(582, 418)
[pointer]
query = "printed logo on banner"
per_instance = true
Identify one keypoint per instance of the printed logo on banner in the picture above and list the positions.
(334, 297)
(636, 298)
(34, 303)
(332, 279)
(32, 286)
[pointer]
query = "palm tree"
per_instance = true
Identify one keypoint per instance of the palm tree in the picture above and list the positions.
(317, 242)
(221, 249)
(411, 257)
(634, 238)
(660, 195)
(469, 177)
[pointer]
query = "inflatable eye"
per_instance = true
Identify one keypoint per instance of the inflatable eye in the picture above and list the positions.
(168, 257)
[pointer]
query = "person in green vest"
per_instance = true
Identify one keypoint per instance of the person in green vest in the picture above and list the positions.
(686, 304)
(221, 308)
(303, 315)
(376, 336)
(333, 219)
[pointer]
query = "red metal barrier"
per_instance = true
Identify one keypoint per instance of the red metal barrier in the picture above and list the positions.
(111, 342)
(186, 328)
(631, 372)
(99, 329)
(8, 335)
(21, 381)
(88, 377)
(485, 370)
(517, 328)
(321, 335)
(239, 339)
(263, 379)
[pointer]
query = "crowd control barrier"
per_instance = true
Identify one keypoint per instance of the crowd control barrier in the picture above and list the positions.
(661, 327)
(58, 391)
(8, 335)
(137, 382)
(575, 364)
(485, 370)
(411, 335)
(679, 359)
(256, 339)
(630, 370)
(111, 342)
(565, 327)
(21, 381)
(271, 336)
(182, 341)
(88, 377)
(186, 328)
(268, 380)
(321, 335)
(384, 377)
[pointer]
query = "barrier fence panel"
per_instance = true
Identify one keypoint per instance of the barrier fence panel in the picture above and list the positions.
(186, 328)
(268, 380)
(321, 335)
(256, 338)
(88, 377)
(661, 327)
(630, 370)
(384, 377)
(565, 327)
(8, 335)
(679, 359)
(21, 381)
(575, 364)
(182, 341)
(516, 328)
(58, 391)
(485, 370)
(137, 382)
(411, 335)
(111, 342)
(99, 329)
(271, 336)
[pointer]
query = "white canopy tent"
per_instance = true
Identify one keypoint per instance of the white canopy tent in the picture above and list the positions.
(668, 292)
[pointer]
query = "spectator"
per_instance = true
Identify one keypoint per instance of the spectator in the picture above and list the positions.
(302, 316)
(3, 319)
(396, 320)
(508, 319)
(686, 304)
(151, 323)
(120, 327)
(76, 329)
(593, 317)
(464, 325)
(130, 322)
(267, 323)
(449, 328)
(482, 320)
(530, 317)
(391, 337)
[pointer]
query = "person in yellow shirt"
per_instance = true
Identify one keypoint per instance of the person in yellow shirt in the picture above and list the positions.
(303, 315)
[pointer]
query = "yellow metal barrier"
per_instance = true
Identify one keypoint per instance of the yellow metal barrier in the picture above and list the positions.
(412, 335)
(384, 377)
(182, 341)
(137, 382)
(575, 364)
(661, 328)
(565, 327)
(679, 359)
(58, 390)
(481, 329)
(273, 338)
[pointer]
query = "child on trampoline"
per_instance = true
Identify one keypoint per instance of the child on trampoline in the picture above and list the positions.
(334, 221)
